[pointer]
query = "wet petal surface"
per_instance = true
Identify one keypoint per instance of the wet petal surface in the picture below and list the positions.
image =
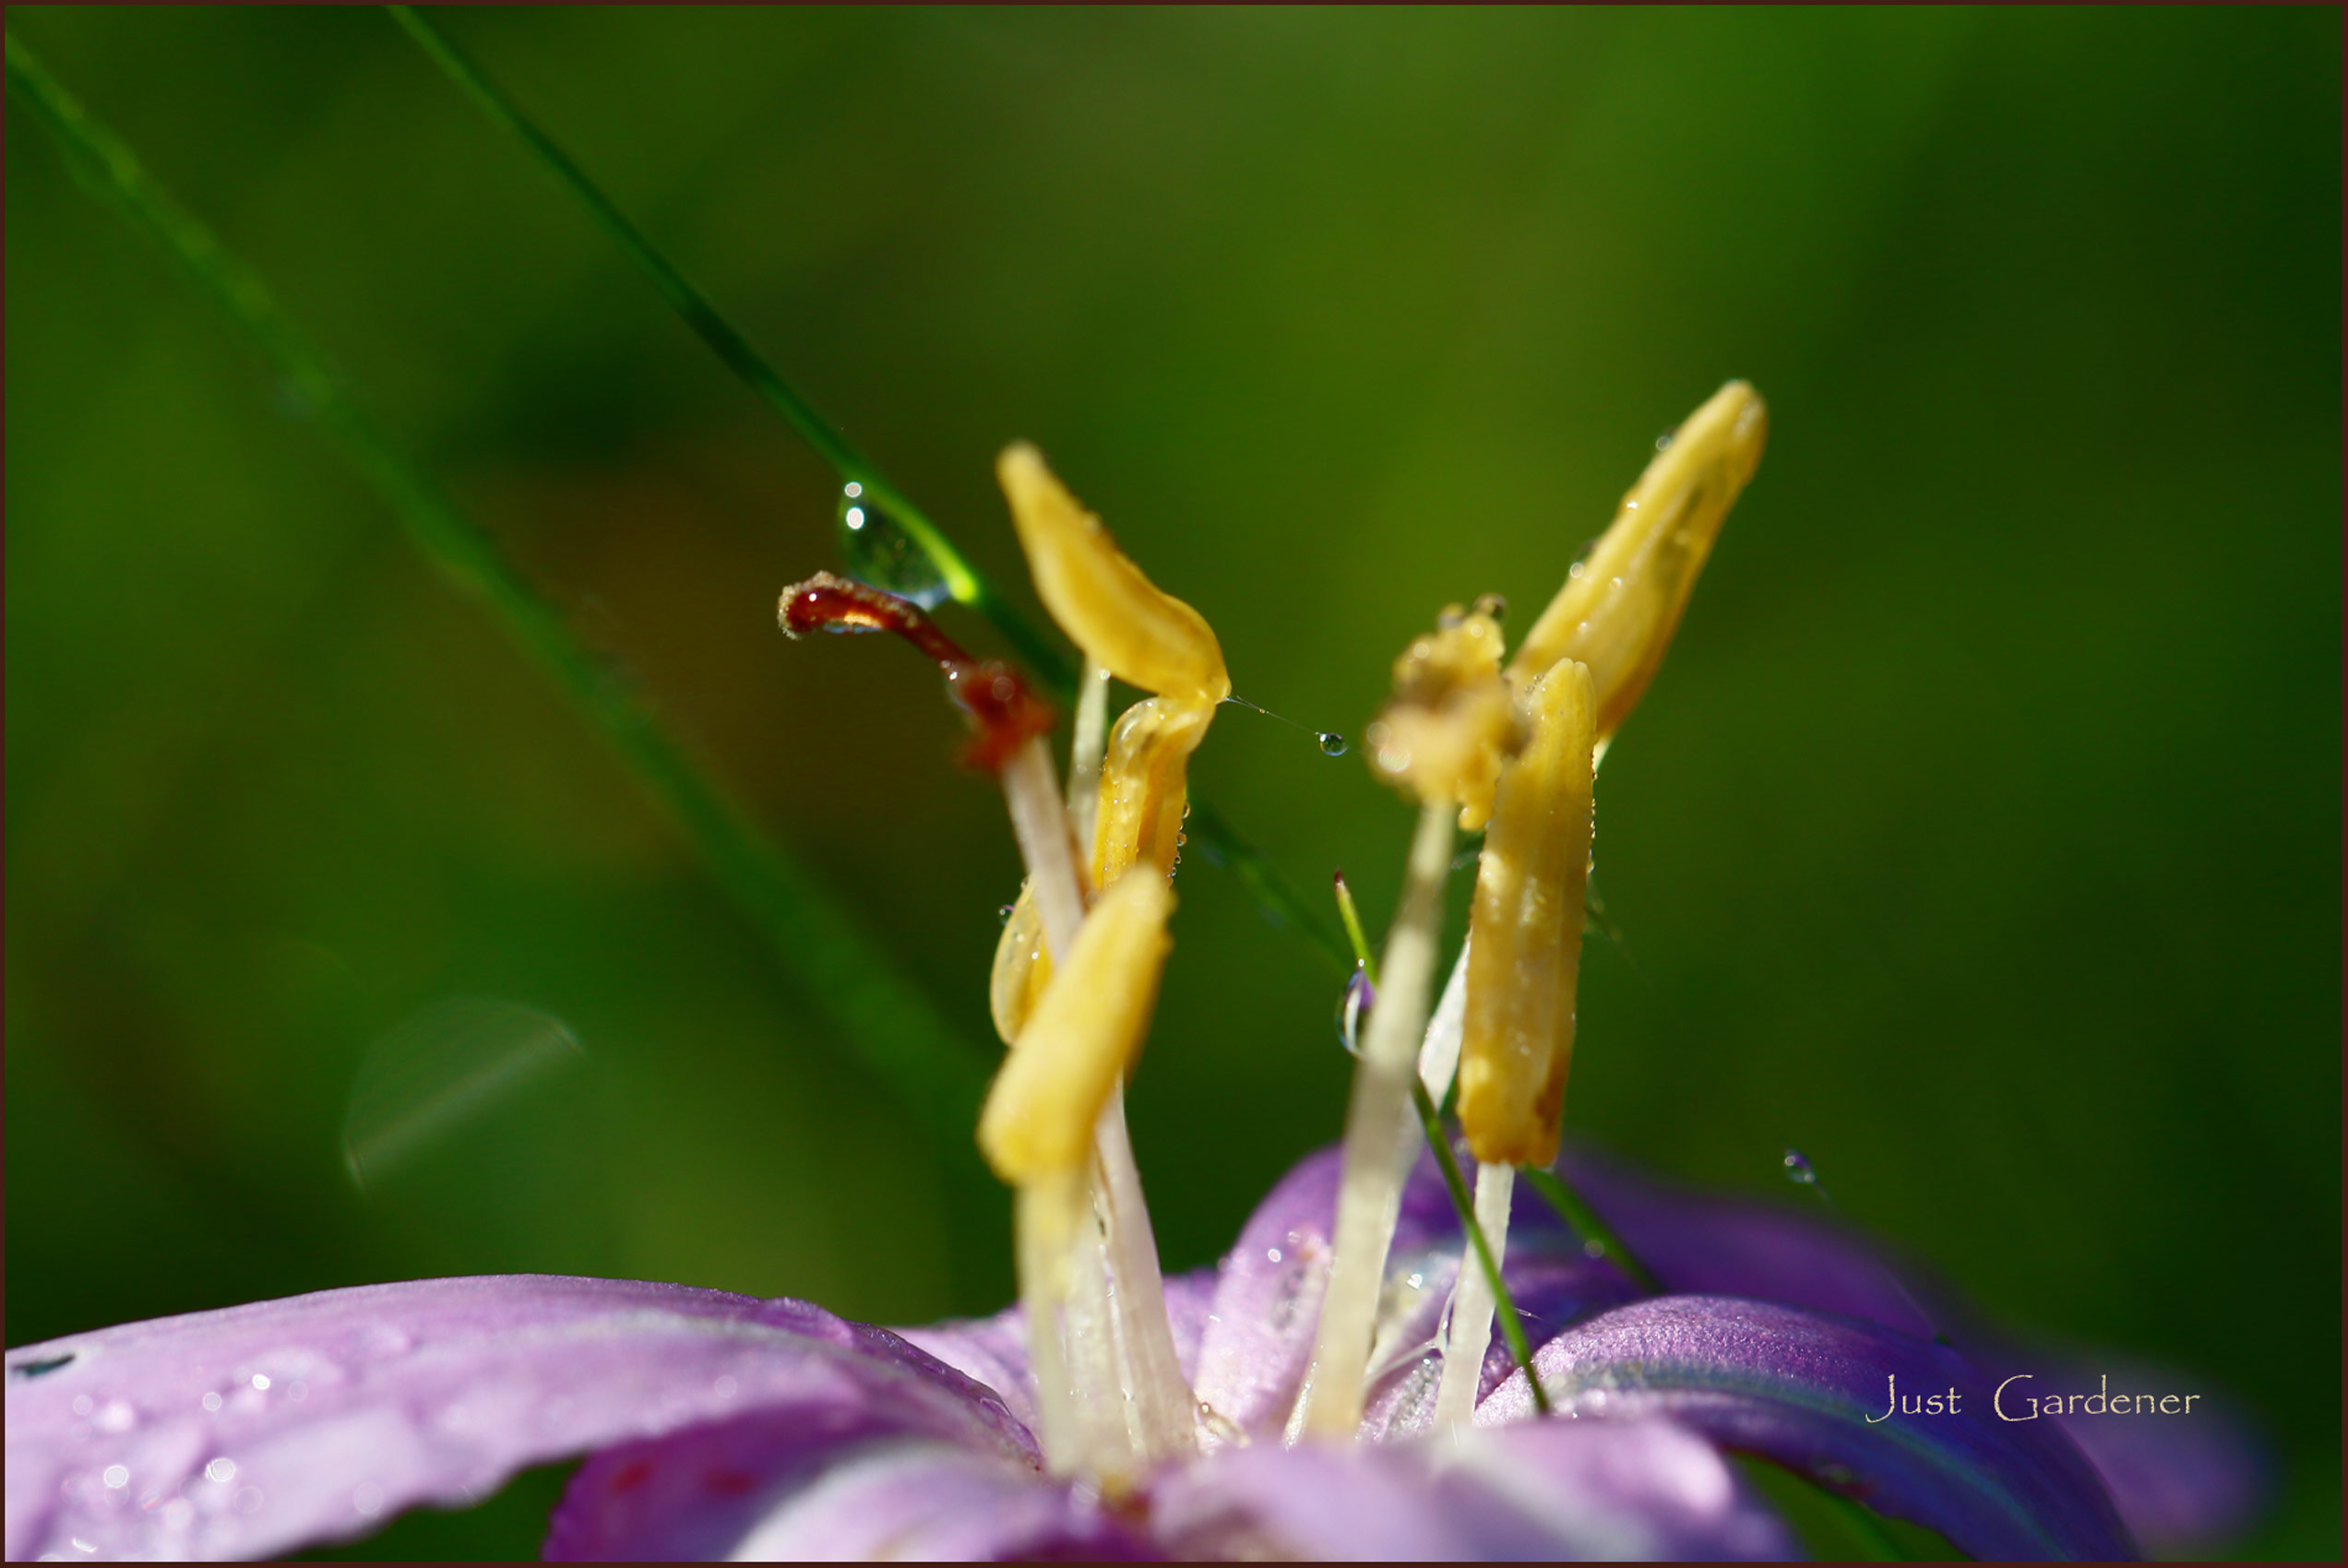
(1552, 1491)
(1800, 1388)
(249, 1432)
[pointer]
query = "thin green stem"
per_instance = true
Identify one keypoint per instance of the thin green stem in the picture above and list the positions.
(964, 581)
(938, 1074)
(1351, 916)
(1584, 1219)
(1503, 1307)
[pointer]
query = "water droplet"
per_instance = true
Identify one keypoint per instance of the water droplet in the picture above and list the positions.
(1004, 914)
(1271, 1255)
(1332, 743)
(221, 1471)
(211, 1401)
(1663, 441)
(879, 553)
(1798, 1169)
(117, 1477)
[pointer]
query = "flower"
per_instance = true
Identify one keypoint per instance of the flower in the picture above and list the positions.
(1335, 1387)
(723, 1425)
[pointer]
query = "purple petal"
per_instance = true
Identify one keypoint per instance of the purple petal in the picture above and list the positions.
(1259, 1334)
(1709, 1244)
(1799, 1387)
(772, 1487)
(2183, 1484)
(249, 1432)
(1591, 1490)
(2177, 1483)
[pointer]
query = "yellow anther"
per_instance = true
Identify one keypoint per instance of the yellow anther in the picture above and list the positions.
(1144, 785)
(1619, 607)
(1450, 726)
(1144, 791)
(1524, 935)
(1080, 1038)
(1022, 967)
(1123, 621)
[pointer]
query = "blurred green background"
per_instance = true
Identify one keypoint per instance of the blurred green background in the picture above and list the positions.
(1980, 836)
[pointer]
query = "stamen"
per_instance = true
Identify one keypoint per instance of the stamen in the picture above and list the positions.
(1146, 637)
(1084, 750)
(1040, 821)
(1619, 607)
(1518, 1032)
(1053, 1105)
(1377, 1126)
(1021, 968)
(1145, 786)
(1440, 1052)
(1127, 627)
(1471, 1303)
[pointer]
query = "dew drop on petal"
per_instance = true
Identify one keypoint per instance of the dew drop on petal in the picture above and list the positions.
(879, 553)
(221, 1471)
(211, 1401)
(366, 1500)
(116, 1477)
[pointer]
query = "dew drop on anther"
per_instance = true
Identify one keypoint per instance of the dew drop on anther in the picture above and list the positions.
(1332, 743)
(1798, 1169)
(1004, 914)
(879, 553)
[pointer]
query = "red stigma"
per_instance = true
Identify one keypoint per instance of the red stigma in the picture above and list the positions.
(1004, 713)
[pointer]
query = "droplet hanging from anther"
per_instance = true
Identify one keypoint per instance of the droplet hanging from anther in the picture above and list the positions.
(879, 553)
(1332, 743)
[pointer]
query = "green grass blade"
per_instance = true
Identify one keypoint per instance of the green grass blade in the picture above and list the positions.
(964, 581)
(940, 1075)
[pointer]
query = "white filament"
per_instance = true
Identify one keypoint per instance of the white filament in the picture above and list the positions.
(1085, 751)
(1439, 1053)
(1379, 1126)
(1471, 1301)
(1102, 1305)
